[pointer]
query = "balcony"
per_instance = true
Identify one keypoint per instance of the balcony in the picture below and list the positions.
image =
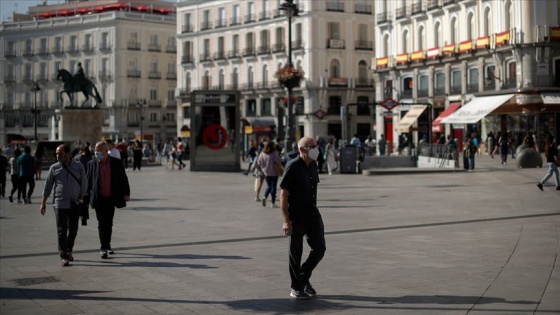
(134, 73)
(154, 47)
(279, 48)
(187, 59)
(235, 21)
(334, 6)
(10, 53)
(87, 48)
(154, 75)
(42, 77)
(248, 86)
(27, 52)
(184, 92)
(250, 18)
(27, 78)
(171, 76)
(406, 93)
(205, 56)
(220, 55)
(384, 17)
(361, 8)
(171, 49)
(418, 8)
(489, 85)
(9, 78)
(433, 5)
(187, 29)
(439, 91)
(423, 92)
(72, 49)
(104, 75)
(402, 13)
(57, 50)
(234, 86)
(455, 89)
(277, 13)
(338, 82)
(247, 52)
(364, 82)
(133, 46)
(472, 88)
(233, 54)
(364, 45)
(105, 47)
(448, 2)
(510, 83)
(297, 44)
(263, 86)
(263, 50)
(335, 44)
(221, 23)
(266, 15)
(43, 51)
(206, 25)
(154, 103)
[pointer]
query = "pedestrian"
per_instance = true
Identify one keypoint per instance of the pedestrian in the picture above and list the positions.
(114, 152)
(370, 145)
(470, 152)
(67, 178)
(26, 172)
(180, 153)
(14, 173)
(123, 150)
(298, 200)
(382, 145)
(85, 156)
(490, 141)
(159, 151)
(167, 148)
(355, 141)
(294, 153)
(3, 170)
(551, 153)
(267, 161)
(38, 155)
(251, 155)
(108, 188)
(497, 146)
(331, 157)
(259, 178)
(503, 141)
(137, 156)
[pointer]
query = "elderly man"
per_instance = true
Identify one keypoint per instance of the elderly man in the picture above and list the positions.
(298, 200)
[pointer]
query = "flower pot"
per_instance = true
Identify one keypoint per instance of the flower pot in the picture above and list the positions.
(291, 83)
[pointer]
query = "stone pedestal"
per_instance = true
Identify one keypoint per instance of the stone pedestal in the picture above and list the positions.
(529, 158)
(84, 124)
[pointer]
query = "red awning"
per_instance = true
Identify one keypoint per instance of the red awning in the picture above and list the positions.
(65, 13)
(143, 8)
(436, 124)
(164, 10)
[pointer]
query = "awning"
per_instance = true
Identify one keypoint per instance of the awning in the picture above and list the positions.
(436, 124)
(476, 109)
(551, 98)
(259, 124)
(410, 117)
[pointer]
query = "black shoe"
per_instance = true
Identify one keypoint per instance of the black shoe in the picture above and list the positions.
(557, 187)
(64, 262)
(104, 254)
(309, 290)
(540, 186)
(70, 257)
(11, 199)
(110, 251)
(299, 295)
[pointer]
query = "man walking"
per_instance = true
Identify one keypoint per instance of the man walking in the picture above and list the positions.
(298, 200)
(26, 164)
(68, 178)
(108, 188)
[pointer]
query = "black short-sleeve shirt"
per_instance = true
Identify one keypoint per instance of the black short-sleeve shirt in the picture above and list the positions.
(301, 182)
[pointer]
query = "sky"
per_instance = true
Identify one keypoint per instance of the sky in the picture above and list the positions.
(7, 7)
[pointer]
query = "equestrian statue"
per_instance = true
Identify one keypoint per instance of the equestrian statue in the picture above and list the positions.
(78, 83)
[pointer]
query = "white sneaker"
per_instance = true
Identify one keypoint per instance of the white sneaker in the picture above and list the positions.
(274, 205)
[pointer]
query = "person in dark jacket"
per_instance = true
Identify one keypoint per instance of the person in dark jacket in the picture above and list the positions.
(108, 188)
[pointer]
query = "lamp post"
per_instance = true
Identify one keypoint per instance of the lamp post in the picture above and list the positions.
(35, 88)
(290, 10)
(141, 104)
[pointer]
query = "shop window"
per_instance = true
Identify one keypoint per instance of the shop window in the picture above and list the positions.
(251, 109)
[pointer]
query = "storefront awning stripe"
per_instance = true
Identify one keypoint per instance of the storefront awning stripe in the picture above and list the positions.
(551, 98)
(476, 109)
(436, 124)
(259, 121)
(410, 117)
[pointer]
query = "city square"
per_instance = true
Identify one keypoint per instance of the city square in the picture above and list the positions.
(403, 242)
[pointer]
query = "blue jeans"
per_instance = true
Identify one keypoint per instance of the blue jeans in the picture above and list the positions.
(271, 182)
(552, 170)
(471, 162)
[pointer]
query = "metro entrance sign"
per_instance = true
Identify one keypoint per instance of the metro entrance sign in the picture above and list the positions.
(389, 103)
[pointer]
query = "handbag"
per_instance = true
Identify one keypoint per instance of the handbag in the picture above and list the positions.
(279, 169)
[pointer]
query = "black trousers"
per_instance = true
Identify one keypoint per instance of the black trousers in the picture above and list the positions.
(105, 212)
(23, 181)
(16, 186)
(3, 183)
(67, 229)
(314, 230)
(136, 160)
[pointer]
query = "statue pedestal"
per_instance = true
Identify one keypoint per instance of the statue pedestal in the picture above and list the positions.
(84, 124)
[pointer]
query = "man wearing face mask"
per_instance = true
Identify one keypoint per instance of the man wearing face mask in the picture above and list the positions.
(108, 188)
(298, 200)
(68, 179)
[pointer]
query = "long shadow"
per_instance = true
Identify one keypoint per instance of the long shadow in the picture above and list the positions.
(181, 256)
(346, 200)
(289, 306)
(110, 262)
(157, 209)
(350, 207)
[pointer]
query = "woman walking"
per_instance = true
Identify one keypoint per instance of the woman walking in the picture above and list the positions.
(551, 153)
(14, 172)
(266, 161)
(331, 157)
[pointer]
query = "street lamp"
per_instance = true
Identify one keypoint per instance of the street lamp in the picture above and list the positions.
(141, 104)
(35, 88)
(290, 10)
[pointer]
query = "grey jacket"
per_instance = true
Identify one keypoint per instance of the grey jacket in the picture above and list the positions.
(66, 188)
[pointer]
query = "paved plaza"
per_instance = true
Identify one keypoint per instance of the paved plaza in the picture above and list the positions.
(485, 242)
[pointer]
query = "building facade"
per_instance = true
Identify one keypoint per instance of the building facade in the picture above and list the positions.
(449, 52)
(126, 48)
(239, 45)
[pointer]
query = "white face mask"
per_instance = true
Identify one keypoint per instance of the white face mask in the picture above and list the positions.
(313, 153)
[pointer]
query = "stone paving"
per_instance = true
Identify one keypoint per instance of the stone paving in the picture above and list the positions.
(485, 242)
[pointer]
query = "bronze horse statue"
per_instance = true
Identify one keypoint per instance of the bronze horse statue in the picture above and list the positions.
(73, 84)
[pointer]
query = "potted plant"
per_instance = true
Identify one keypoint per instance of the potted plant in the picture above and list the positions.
(289, 77)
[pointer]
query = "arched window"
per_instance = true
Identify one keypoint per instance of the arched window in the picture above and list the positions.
(405, 41)
(454, 31)
(437, 35)
(471, 27)
(508, 13)
(386, 45)
(235, 79)
(250, 77)
(421, 38)
(265, 75)
(335, 69)
(188, 82)
(133, 92)
(221, 80)
(249, 42)
(280, 38)
(362, 71)
(206, 80)
(487, 28)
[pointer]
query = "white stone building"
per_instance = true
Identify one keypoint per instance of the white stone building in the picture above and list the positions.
(126, 48)
(241, 44)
